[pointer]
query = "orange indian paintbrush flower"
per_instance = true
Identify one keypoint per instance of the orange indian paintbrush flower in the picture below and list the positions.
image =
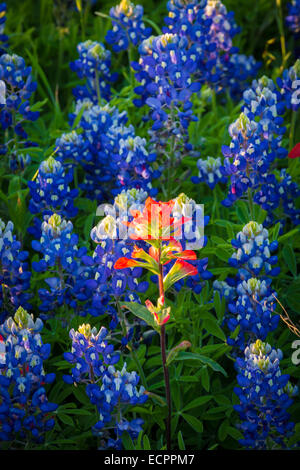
(156, 226)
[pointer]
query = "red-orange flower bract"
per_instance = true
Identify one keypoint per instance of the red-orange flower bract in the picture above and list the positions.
(156, 226)
(154, 222)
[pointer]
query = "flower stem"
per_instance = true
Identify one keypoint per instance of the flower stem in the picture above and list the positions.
(164, 358)
(279, 18)
(167, 383)
(292, 130)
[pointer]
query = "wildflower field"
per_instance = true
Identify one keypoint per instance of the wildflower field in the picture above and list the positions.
(149, 225)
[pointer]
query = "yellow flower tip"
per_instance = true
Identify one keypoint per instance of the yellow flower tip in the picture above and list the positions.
(85, 330)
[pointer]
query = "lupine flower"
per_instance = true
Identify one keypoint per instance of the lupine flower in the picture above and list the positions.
(112, 156)
(210, 29)
(293, 18)
(256, 140)
(164, 70)
(50, 191)
(224, 289)
(19, 88)
(165, 73)
(24, 407)
(252, 308)
(279, 191)
(3, 37)
(134, 156)
(15, 275)
(265, 395)
(209, 172)
(128, 26)
(94, 65)
(93, 360)
(62, 258)
(289, 86)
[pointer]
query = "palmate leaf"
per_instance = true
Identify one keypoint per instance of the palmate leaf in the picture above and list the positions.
(141, 312)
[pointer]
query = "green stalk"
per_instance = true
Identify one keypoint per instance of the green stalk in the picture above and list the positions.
(164, 357)
(279, 18)
(98, 87)
(129, 52)
(292, 130)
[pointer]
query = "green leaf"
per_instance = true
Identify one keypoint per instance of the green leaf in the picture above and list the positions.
(287, 235)
(223, 430)
(66, 419)
(146, 442)
(193, 422)
(242, 212)
(127, 441)
(197, 402)
(186, 356)
(234, 433)
(141, 312)
(213, 328)
(290, 259)
(274, 232)
(205, 379)
(222, 254)
(180, 440)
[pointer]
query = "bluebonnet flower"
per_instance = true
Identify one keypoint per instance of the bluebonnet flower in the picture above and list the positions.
(253, 308)
(19, 161)
(289, 86)
(133, 165)
(3, 36)
(225, 290)
(164, 70)
(19, 88)
(24, 407)
(15, 275)
(293, 17)
(209, 172)
(265, 395)
(210, 29)
(50, 191)
(128, 26)
(238, 71)
(61, 257)
(112, 156)
(277, 196)
(255, 143)
(93, 360)
(94, 65)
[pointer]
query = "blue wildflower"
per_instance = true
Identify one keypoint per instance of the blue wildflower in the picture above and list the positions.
(209, 172)
(265, 395)
(128, 26)
(94, 65)
(24, 407)
(293, 17)
(15, 275)
(19, 87)
(93, 360)
(253, 307)
(50, 191)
